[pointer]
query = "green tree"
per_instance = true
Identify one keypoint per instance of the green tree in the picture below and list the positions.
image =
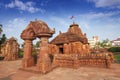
(37, 44)
(105, 43)
(0, 28)
(3, 39)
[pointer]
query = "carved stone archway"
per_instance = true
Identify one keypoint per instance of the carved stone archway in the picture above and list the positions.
(37, 29)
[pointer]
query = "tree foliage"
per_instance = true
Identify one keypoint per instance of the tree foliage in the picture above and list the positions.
(3, 39)
(114, 49)
(0, 28)
(105, 43)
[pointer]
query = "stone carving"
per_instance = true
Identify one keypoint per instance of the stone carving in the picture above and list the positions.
(77, 60)
(10, 49)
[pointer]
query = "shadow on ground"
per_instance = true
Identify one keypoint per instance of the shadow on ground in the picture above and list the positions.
(7, 77)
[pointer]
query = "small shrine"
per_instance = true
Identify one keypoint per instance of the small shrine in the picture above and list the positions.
(10, 49)
(71, 42)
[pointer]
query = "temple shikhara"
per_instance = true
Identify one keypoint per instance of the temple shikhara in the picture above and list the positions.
(71, 42)
(10, 49)
(67, 49)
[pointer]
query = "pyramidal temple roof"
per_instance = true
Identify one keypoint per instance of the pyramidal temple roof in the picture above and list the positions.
(74, 34)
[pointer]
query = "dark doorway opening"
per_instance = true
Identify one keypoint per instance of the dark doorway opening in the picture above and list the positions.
(61, 50)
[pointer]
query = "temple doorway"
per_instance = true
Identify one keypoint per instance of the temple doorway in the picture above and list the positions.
(35, 50)
(61, 50)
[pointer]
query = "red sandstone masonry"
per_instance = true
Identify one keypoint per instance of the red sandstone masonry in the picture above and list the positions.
(76, 60)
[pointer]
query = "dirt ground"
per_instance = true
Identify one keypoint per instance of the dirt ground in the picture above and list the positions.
(9, 70)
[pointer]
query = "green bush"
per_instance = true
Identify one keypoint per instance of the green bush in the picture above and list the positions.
(20, 54)
(114, 49)
(117, 57)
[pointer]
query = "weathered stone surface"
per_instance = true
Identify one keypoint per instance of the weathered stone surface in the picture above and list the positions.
(71, 42)
(77, 60)
(28, 60)
(10, 49)
(44, 62)
(37, 29)
(68, 49)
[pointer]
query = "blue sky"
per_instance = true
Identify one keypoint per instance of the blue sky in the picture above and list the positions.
(95, 17)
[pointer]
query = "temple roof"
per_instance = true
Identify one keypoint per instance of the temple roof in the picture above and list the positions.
(74, 34)
(39, 26)
(74, 28)
(35, 29)
(66, 38)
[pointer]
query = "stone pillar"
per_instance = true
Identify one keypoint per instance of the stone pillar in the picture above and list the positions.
(66, 49)
(43, 61)
(76, 61)
(27, 60)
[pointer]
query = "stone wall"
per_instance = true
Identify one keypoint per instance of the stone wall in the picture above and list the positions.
(70, 48)
(53, 49)
(77, 60)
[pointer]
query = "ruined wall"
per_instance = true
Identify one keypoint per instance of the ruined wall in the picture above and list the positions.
(10, 49)
(77, 60)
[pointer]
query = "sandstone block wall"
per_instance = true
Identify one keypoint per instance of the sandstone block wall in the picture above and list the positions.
(77, 60)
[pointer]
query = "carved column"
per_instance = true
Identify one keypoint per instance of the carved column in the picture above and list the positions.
(43, 62)
(28, 60)
(66, 49)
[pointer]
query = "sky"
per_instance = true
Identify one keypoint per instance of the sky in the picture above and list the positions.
(95, 17)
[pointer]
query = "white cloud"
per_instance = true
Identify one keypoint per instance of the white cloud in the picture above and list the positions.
(103, 24)
(24, 6)
(94, 15)
(107, 3)
(14, 28)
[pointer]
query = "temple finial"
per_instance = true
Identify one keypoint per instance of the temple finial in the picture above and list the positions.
(72, 18)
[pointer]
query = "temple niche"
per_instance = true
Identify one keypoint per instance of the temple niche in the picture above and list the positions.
(71, 42)
(10, 49)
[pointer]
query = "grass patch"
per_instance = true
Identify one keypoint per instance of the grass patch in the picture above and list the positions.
(117, 57)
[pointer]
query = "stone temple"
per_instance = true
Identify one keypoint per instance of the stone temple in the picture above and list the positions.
(69, 49)
(10, 49)
(71, 42)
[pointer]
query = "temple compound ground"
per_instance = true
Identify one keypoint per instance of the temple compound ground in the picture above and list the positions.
(9, 70)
